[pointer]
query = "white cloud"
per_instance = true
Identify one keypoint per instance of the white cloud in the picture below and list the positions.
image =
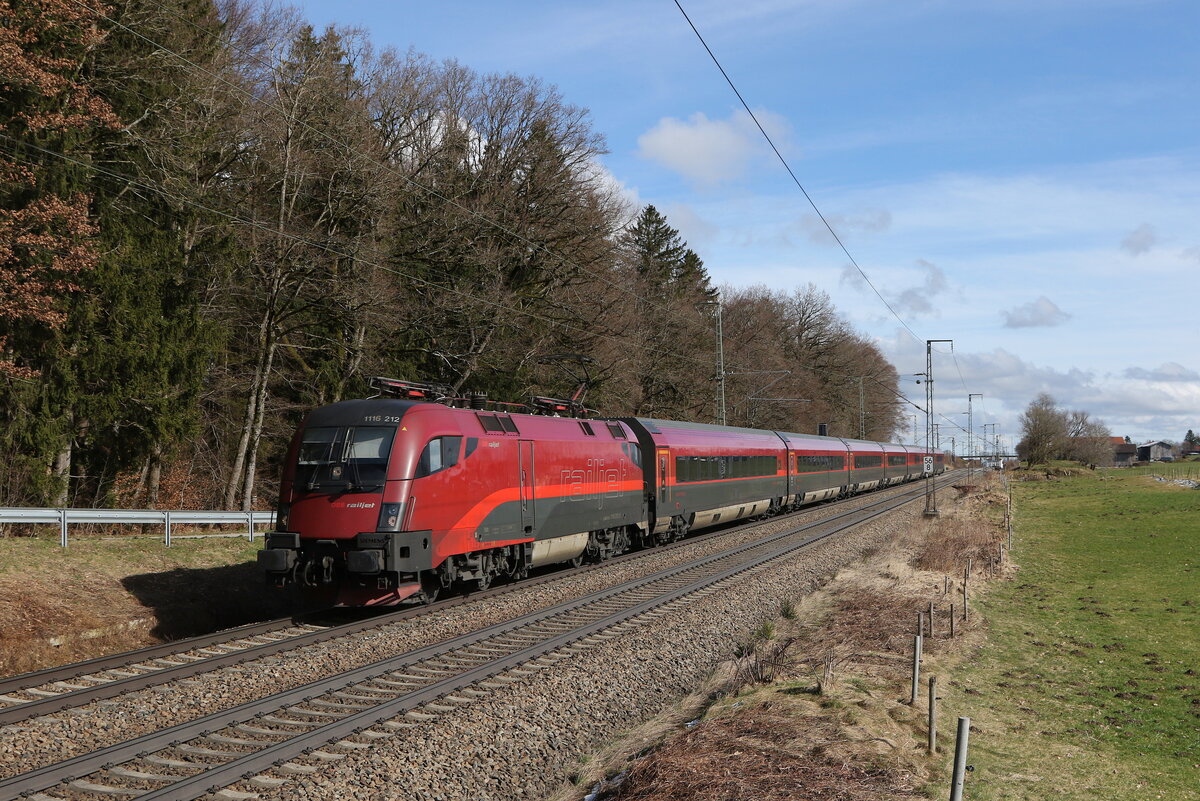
(870, 221)
(850, 276)
(918, 301)
(1145, 404)
(694, 228)
(914, 301)
(602, 178)
(1041, 313)
(1140, 240)
(707, 151)
(1170, 371)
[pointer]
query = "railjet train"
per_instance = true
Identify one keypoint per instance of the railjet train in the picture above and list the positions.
(406, 496)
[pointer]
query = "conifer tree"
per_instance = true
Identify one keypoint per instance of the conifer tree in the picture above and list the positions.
(674, 319)
(47, 229)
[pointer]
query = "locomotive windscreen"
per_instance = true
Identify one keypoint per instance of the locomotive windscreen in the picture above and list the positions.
(339, 459)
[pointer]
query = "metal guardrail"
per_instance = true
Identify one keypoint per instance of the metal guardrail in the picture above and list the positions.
(148, 517)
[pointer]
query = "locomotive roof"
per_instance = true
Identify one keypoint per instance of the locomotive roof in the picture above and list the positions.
(359, 412)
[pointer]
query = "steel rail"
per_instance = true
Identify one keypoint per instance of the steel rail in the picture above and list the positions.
(154, 675)
(272, 754)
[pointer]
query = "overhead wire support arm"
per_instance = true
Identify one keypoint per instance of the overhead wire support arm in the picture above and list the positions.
(931, 509)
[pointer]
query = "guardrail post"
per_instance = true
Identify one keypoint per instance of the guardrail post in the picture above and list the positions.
(167, 529)
(250, 525)
(62, 527)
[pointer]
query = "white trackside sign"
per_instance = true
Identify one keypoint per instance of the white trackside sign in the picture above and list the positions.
(928, 464)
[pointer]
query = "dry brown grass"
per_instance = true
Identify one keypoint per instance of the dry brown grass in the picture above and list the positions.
(831, 722)
(767, 754)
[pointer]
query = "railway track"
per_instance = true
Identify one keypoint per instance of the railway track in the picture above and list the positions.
(57, 689)
(258, 745)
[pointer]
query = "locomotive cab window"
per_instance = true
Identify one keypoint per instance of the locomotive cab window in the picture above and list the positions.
(440, 453)
(333, 458)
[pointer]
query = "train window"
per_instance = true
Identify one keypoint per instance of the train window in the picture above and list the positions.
(587, 428)
(508, 424)
(370, 444)
(616, 430)
(472, 444)
(896, 459)
(683, 468)
(633, 452)
(334, 457)
(865, 460)
(321, 446)
(440, 453)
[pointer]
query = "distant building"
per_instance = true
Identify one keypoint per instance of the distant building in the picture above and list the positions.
(1155, 451)
(1124, 453)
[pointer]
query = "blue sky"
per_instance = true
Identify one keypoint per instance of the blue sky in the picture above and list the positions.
(1021, 177)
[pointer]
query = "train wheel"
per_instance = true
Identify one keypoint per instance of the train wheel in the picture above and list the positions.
(486, 566)
(431, 586)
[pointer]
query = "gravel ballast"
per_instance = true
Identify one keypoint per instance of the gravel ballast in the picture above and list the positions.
(522, 740)
(49, 739)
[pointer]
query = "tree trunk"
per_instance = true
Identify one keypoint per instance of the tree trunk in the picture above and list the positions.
(154, 476)
(252, 411)
(140, 491)
(473, 360)
(62, 472)
(356, 351)
(256, 435)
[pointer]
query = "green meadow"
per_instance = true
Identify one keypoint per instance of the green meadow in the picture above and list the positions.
(1089, 685)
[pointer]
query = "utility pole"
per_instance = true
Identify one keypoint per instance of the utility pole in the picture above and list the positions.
(990, 442)
(931, 509)
(862, 411)
(971, 421)
(916, 439)
(720, 360)
(971, 431)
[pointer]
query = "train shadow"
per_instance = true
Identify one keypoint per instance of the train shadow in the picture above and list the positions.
(191, 601)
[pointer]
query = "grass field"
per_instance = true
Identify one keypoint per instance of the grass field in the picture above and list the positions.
(1088, 687)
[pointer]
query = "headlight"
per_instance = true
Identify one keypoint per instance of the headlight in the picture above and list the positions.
(281, 516)
(389, 517)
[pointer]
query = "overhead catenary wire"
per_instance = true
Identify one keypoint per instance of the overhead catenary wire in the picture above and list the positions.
(792, 173)
(795, 179)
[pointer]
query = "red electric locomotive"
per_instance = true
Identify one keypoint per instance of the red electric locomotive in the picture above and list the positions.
(398, 497)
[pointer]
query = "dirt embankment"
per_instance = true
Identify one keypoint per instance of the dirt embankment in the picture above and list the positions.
(102, 596)
(817, 707)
